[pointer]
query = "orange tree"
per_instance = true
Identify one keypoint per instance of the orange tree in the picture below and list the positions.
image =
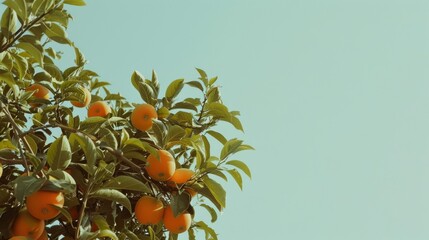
(123, 171)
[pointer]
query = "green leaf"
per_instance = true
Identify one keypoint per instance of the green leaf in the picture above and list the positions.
(8, 22)
(212, 212)
(59, 154)
(114, 196)
(64, 212)
(237, 177)
(106, 233)
(218, 136)
(213, 95)
(19, 6)
(58, 16)
(37, 6)
(217, 110)
(236, 123)
(88, 148)
(100, 221)
(130, 235)
(146, 92)
(240, 165)
(217, 190)
(196, 84)
(180, 203)
(20, 64)
(183, 117)
(35, 52)
(208, 230)
(191, 234)
(80, 59)
(126, 183)
(202, 73)
(75, 2)
(124, 136)
(212, 80)
(93, 121)
(53, 70)
(230, 147)
(184, 105)
(26, 185)
(108, 138)
(219, 173)
(56, 33)
(142, 145)
(7, 77)
(175, 133)
(174, 88)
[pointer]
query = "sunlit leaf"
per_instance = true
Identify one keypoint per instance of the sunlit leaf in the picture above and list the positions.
(240, 165)
(217, 190)
(112, 195)
(174, 88)
(126, 183)
(75, 2)
(59, 153)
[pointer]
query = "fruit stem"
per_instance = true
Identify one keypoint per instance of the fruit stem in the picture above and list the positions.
(82, 210)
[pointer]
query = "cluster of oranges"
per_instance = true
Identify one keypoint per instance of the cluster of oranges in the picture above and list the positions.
(162, 168)
(150, 210)
(30, 221)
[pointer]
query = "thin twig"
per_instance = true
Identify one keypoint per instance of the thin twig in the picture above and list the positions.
(23, 29)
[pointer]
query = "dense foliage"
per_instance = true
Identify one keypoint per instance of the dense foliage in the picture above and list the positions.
(102, 175)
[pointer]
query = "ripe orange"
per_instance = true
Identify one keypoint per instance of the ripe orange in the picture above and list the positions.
(99, 109)
(191, 191)
(20, 238)
(178, 224)
(149, 210)
(85, 102)
(181, 176)
(26, 225)
(44, 236)
(39, 204)
(141, 117)
(161, 169)
(41, 91)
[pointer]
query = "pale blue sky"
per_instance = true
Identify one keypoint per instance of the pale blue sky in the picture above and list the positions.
(334, 95)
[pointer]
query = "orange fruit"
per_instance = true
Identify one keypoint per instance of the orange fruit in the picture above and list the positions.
(86, 101)
(149, 210)
(99, 109)
(178, 224)
(161, 169)
(26, 225)
(39, 204)
(41, 91)
(44, 236)
(20, 238)
(191, 191)
(181, 176)
(141, 117)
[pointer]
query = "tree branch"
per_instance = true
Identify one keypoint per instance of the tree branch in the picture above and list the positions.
(24, 28)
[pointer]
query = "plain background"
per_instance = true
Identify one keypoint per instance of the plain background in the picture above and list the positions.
(334, 96)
